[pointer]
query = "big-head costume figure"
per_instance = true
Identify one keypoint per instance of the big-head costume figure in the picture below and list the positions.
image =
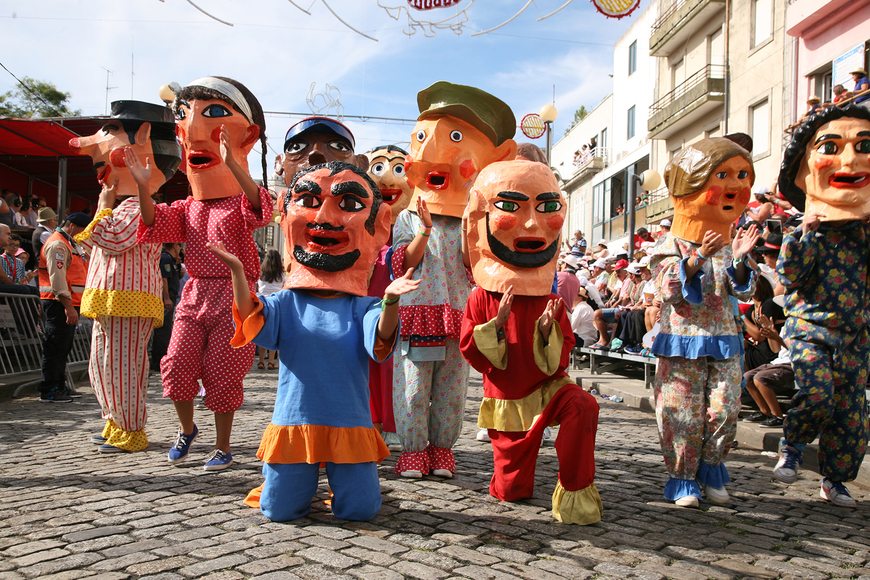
(460, 131)
(387, 169)
(326, 330)
(518, 334)
(124, 289)
(218, 121)
(699, 268)
(823, 264)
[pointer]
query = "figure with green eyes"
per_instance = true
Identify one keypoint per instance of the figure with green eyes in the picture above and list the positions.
(824, 266)
(700, 269)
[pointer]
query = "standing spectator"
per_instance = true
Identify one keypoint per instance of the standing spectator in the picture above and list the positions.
(859, 75)
(62, 275)
(271, 280)
(579, 247)
(169, 275)
(47, 221)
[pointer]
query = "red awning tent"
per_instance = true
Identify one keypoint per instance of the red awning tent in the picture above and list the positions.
(35, 158)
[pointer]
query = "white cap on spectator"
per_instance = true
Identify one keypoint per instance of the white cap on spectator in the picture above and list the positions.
(600, 263)
(644, 262)
(665, 223)
(633, 268)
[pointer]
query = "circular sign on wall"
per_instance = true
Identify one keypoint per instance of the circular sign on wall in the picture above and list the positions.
(532, 126)
(616, 8)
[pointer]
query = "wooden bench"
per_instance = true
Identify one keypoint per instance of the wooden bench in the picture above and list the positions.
(606, 361)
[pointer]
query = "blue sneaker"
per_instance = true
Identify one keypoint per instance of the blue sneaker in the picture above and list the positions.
(790, 458)
(181, 448)
(98, 440)
(218, 460)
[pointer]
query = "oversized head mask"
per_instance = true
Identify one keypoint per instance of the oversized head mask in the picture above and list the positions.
(515, 216)
(710, 183)
(834, 172)
(387, 170)
(201, 108)
(460, 131)
(335, 223)
(147, 129)
(314, 141)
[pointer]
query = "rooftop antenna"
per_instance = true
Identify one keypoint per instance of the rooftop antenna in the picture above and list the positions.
(132, 71)
(108, 88)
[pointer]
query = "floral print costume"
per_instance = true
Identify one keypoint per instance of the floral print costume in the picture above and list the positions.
(825, 275)
(697, 388)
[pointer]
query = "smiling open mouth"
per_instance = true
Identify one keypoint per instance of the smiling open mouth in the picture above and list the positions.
(437, 180)
(391, 196)
(202, 159)
(326, 241)
(528, 245)
(849, 180)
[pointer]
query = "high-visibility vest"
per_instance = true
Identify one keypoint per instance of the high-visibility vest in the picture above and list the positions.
(76, 274)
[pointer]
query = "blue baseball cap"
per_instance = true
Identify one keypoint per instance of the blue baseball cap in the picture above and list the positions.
(319, 125)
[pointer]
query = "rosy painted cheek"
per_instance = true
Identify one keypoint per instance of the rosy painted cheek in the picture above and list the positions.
(467, 168)
(822, 163)
(555, 222)
(117, 158)
(216, 135)
(408, 164)
(743, 196)
(505, 222)
(713, 195)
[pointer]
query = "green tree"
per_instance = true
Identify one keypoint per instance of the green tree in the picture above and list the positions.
(35, 98)
(579, 115)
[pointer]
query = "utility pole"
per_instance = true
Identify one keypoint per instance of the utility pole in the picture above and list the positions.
(108, 88)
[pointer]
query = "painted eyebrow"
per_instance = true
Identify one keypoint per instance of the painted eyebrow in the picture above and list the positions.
(350, 187)
(548, 196)
(304, 185)
(864, 133)
(826, 137)
(513, 195)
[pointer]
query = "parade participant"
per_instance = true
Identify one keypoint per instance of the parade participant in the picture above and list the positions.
(324, 329)
(823, 264)
(515, 216)
(313, 141)
(697, 388)
(218, 121)
(62, 274)
(460, 131)
(123, 292)
(387, 169)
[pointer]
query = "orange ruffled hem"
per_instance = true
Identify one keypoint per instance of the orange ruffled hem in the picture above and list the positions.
(320, 443)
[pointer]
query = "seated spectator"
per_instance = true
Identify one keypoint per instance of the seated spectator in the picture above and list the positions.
(602, 251)
(631, 325)
(581, 318)
(769, 381)
(591, 291)
(760, 208)
(758, 351)
(567, 284)
(814, 103)
(10, 205)
(664, 227)
(613, 308)
(862, 86)
(840, 94)
(27, 213)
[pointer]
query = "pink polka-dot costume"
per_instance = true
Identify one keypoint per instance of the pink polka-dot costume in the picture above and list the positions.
(200, 345)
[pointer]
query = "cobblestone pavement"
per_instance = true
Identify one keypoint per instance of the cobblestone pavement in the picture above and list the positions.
(68, 512)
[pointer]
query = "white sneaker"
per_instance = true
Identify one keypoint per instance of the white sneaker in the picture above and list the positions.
(445, 473)
(837, 494)
(394, 443)
(790, 458)
(412, 474)
(483, 435)
(687, 501)
(717, 494)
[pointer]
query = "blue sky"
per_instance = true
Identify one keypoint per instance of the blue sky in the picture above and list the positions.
(278, 51)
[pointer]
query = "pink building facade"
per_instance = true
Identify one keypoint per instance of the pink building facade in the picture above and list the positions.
(831, 38)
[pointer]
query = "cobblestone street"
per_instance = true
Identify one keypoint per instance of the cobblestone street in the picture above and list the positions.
(68, 512)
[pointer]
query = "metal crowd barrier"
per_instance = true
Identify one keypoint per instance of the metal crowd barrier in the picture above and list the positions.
(22, 330)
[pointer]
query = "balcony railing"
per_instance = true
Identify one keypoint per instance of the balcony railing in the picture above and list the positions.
(669, 30)
(708, 84)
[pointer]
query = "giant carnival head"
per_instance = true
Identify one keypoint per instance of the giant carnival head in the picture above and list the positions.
(826, 167)
(314, 141)
(147, 129)
(335, 223)
(201, 108)
(387, 170)
(710, 182)
(515, 216)
(460, 131)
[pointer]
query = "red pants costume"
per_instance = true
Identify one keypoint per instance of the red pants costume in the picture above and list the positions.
(516, 453)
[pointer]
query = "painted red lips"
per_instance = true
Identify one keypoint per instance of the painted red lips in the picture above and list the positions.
(391, 196)
(326, 241)
(845, 180)
(437, 180)
(202, 159)
(529, 245)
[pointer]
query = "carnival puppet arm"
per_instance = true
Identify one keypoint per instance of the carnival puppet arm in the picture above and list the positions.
(249, 187)
(797, 258)
(417, 248)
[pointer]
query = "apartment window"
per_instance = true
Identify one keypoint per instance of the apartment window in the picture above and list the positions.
(716, 47)
(760, 122)
(632, 58)
(762, 21)
(630, 132)
(713, 132)
(678, 73)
